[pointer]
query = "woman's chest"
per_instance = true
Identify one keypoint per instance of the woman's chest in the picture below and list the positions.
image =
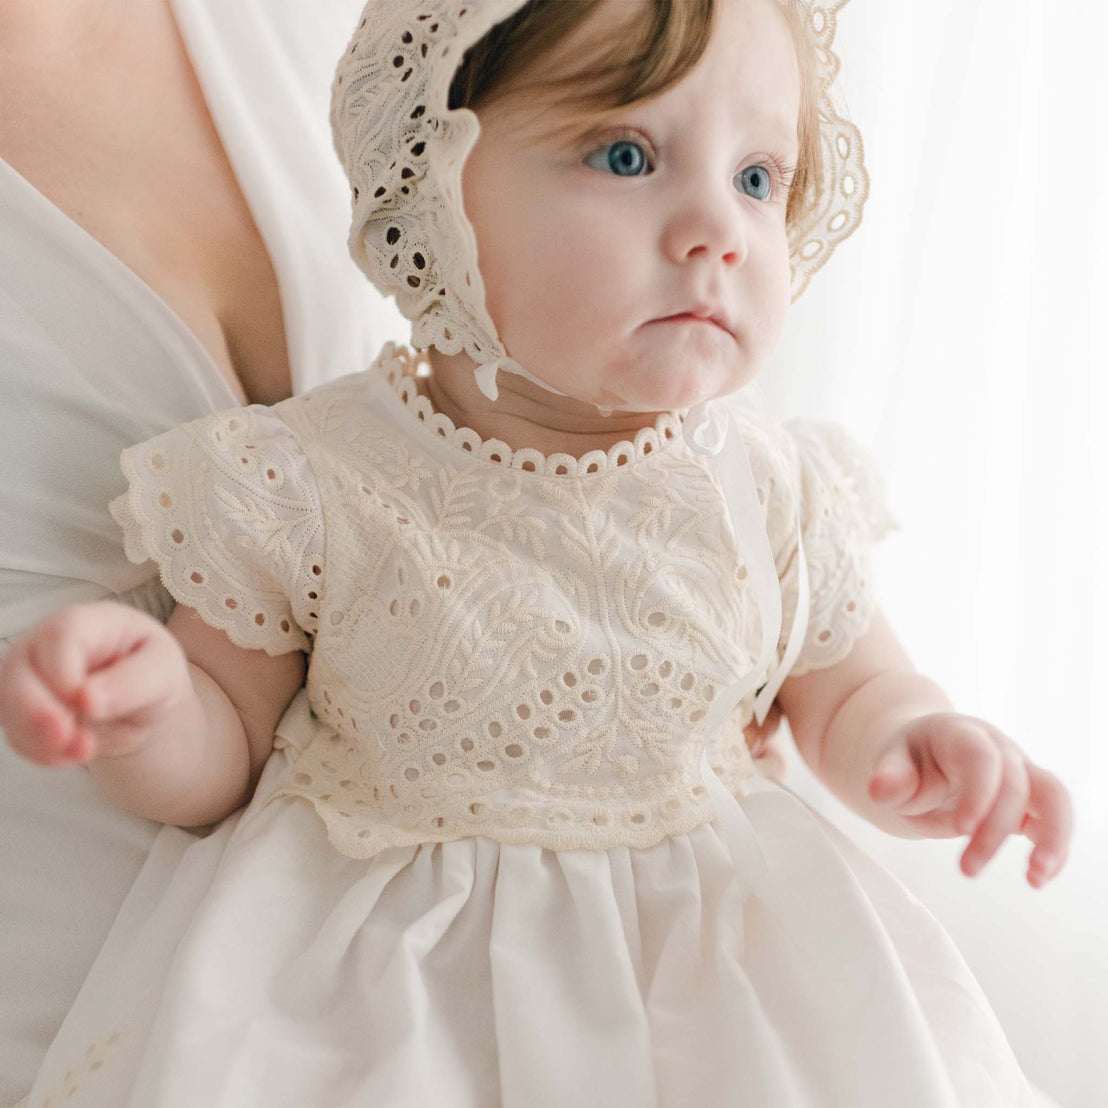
(120, 140)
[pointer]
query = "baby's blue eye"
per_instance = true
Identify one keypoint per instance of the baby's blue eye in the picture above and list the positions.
(755, 181)
(623, 158)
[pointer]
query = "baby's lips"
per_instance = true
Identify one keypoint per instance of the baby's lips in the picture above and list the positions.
(714, 319)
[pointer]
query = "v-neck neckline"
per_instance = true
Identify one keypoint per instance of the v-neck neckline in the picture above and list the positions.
(158, 304)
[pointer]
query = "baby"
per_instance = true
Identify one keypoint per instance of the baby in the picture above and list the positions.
(537, 576)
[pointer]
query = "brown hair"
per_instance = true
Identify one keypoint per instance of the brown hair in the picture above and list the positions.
(666, 42)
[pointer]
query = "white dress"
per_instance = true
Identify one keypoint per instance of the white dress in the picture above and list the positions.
(523, 862)
(92, 360)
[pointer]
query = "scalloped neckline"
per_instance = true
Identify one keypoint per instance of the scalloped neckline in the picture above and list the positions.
(400, 365)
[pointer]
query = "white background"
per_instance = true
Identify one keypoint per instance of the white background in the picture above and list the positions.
(960, 334)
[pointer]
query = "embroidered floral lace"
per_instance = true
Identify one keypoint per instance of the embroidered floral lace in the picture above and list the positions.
(502, 643)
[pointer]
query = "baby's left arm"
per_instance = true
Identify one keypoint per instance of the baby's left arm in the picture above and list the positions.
(887, 742)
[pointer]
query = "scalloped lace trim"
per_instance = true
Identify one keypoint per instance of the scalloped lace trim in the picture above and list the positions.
(363, 818)
(401, 366)
(228, 509)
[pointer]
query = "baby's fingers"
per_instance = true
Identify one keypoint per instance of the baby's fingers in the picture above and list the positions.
(38, 725)
(152, 676)
(1005, 817)
(1048, 824)
(75, 641)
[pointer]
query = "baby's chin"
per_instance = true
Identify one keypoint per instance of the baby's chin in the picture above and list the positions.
(660, 385)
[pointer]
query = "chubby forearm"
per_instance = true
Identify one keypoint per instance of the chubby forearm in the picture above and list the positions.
(862, 727)
(842, 716)
(175, 722)
(194, 770)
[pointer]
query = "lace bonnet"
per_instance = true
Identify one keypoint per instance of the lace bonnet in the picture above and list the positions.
(404, 150)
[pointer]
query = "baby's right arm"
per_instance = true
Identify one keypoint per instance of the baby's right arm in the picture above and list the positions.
(174, 721)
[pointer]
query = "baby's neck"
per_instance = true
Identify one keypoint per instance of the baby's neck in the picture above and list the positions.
(525, 415)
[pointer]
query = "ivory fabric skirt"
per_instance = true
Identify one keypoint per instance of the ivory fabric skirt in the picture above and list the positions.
(759, 960)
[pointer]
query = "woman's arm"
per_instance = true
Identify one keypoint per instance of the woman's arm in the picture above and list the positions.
(174, 723)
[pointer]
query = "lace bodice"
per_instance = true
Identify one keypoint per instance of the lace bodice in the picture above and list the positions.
(502, 643)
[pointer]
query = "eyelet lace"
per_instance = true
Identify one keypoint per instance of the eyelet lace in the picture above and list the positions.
(401, 365)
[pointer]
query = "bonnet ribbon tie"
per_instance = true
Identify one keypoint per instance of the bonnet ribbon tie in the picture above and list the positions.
(711, 428)
(708, 430)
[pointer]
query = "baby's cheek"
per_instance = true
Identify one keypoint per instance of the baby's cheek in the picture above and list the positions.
(773, 307)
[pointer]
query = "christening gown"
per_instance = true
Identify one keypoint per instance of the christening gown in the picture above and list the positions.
(526, 859)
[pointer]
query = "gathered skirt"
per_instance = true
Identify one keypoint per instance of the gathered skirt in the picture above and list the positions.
(760, 960)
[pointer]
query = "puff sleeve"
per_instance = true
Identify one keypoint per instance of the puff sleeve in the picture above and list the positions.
(819, 473)
(229, 510)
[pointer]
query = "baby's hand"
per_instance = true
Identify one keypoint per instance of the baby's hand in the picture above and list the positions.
(948, 774)
(92, 680)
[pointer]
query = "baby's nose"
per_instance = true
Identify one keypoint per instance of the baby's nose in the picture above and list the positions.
(706, 229)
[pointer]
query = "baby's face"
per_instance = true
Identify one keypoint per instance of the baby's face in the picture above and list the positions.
(597, 252)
